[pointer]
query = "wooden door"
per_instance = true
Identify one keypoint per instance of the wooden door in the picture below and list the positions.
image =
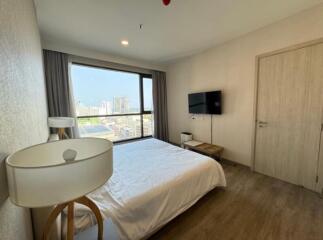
(319, 187)
(289, 115)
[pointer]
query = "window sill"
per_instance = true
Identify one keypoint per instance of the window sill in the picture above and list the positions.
(131, 140)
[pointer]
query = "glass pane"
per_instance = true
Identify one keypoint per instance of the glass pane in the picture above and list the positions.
(112, 128)
(148, 94)
(148, 124)
(99, 91)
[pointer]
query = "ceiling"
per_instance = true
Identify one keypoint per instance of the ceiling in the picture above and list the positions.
(183, 28)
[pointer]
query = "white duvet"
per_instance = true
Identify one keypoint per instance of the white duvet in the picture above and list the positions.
(152, 183)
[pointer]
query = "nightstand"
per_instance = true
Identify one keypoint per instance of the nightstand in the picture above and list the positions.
(210, 150)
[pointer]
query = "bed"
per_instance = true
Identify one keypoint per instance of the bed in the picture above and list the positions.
(153, 182)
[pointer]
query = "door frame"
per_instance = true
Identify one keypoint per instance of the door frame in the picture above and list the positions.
(256, 89)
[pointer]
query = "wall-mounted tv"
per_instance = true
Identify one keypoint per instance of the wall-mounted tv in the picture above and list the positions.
(205, 103)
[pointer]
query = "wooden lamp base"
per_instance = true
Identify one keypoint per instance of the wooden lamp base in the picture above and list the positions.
(62, 134)
(70, 217)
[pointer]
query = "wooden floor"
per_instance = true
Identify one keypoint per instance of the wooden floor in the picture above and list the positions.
(253, 206)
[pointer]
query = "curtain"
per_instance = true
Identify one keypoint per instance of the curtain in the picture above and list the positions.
(160, 106)
(58, 87)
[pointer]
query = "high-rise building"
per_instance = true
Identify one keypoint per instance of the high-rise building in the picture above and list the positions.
(105, 108)
(120, 105)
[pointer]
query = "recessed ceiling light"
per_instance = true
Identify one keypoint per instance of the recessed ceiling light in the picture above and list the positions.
(125, 43)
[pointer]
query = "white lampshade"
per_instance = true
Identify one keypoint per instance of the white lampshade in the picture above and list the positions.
(39, 176)
(61, 122)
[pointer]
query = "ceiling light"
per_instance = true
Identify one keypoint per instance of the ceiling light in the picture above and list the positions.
(125, 43)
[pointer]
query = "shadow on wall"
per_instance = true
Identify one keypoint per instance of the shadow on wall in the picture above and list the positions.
(3, 179)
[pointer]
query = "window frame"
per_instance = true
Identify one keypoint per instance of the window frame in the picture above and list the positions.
(142, 111)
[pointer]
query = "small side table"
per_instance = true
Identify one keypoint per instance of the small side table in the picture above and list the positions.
(210, 150)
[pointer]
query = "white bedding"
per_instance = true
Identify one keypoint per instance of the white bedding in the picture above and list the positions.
(152, 183)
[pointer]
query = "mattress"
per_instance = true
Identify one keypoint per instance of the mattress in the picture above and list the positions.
(152, 183)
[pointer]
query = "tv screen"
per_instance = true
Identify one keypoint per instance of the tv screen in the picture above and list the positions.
(205, 102)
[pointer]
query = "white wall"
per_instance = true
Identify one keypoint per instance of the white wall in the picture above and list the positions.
(231, 68)
(23, 107)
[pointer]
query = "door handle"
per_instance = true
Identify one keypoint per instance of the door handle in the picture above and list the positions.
(262, 124)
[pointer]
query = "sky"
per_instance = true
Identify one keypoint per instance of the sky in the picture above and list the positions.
(93, 85)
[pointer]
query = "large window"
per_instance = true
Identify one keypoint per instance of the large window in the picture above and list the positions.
(112, 104)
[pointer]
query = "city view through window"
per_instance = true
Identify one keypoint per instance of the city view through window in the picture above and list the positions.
(112, 104)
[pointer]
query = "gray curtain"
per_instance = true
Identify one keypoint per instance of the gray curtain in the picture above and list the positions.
(59, 90)
(160, 106)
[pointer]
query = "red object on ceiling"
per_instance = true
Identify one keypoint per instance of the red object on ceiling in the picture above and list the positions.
(166, 2)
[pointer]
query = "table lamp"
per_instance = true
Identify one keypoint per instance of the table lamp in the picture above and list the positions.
(60, 173)
(61, 123)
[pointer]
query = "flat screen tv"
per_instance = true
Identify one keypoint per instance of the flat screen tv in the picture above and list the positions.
(205, 103)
